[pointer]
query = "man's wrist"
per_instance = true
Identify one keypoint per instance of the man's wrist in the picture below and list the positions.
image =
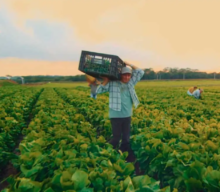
(104, 83)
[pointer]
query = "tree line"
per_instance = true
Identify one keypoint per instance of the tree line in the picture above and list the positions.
(149, 74)
(176, 73)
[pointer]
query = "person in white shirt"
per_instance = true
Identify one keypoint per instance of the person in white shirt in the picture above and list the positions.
(93, 87)
(191, 90)
(197, 93)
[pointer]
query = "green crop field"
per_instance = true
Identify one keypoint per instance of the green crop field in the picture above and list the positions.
(55, 137)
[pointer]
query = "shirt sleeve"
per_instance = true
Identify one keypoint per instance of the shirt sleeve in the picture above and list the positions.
(102, 88)
(136, 76)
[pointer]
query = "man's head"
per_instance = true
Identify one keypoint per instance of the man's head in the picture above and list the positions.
(126, 74)
(195, 87)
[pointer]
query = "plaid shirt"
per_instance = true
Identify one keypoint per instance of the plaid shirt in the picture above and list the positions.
(113, 87)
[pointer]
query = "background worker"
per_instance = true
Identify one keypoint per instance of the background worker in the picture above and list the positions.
(191, 90)
(93, 84)
(93, 87)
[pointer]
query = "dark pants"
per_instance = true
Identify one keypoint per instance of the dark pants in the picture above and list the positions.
(121, 128)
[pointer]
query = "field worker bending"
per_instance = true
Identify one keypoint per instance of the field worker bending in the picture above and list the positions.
(121, 97)
(93, 84)
(198, 93)
(191, 90)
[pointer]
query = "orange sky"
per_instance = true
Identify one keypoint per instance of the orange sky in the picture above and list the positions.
(14, 66)
(149, 33)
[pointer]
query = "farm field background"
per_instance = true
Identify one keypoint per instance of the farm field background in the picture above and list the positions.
(61, 135)
(150, 83)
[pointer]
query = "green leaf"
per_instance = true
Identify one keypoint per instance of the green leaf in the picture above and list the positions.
(170, 163)
(145, 182)
(84, 190)
(98, 184)
(165, 189)
(60, 153)
(211, 146)
(23, 148)
(178, 181)
(193, 185)
(101, 139)
(56, 180)
(183, 146)
(5, 190)
(49, 190)
(80, 179)
(128, 185)
(128, 169)
(65, 180)
(30, 172)
(212, 179)
(196, 170)
(118, 168)
(27, 185)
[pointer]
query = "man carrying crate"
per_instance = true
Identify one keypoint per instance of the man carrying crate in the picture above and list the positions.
(121, 97)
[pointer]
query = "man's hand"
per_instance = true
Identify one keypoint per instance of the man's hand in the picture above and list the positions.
(98, 82)
(105, 80)
(130, 65)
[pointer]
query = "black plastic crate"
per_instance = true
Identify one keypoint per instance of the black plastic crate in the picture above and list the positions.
(100, 64)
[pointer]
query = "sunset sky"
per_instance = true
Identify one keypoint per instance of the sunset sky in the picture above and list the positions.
(46, 37)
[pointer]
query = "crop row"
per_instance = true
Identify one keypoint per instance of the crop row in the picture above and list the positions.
(14, 114)
(173, 141)
(61, 152)
(6, 91)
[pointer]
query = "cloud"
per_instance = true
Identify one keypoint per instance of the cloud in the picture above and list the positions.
(37, 39)
(44, 40)
(16, 43)
(153, 34)
(167, 27)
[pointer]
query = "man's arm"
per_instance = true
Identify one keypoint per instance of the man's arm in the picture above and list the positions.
(137, 73)
(104, 86)
(130, 65)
